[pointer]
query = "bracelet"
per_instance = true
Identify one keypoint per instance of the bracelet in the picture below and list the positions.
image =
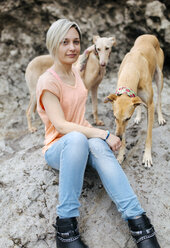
(108, 134)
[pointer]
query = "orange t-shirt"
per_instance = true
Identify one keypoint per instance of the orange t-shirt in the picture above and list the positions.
(72, 100)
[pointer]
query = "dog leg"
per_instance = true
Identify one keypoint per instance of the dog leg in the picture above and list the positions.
(94, 106)
(121, 155)
(159, 84)
(30, 109)
(147, 158)
(138, 115)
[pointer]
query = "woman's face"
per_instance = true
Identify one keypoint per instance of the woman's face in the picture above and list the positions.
(69, 48)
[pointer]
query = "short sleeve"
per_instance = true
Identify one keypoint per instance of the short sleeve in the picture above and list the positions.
(46, 82)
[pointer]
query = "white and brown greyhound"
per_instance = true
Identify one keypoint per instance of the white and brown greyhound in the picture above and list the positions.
(91, 66)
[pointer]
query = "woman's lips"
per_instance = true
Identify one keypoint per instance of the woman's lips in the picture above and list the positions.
(72, 55)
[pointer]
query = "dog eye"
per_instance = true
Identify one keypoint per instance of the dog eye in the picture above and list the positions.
(98, 49)
(127, 119)
(106, 48)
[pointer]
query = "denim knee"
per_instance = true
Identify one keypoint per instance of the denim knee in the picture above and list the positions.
(77, 143)
(77, 136)
(99, 147)
(71, 145)
(77, 139)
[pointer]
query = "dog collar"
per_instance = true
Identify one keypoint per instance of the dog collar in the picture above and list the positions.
(96, 52)
(125, 90)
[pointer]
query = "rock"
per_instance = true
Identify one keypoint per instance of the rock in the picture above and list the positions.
(5, 242)
(156, 18)
(4, 89)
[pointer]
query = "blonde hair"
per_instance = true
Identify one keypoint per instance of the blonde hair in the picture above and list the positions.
(57, 32)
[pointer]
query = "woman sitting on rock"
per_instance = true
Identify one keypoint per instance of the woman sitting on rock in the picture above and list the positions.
(71, 143)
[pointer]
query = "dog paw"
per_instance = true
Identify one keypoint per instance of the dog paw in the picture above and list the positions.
(161, 121)
(147, 161)
(32, 129)
(137, 120)
(99, 123)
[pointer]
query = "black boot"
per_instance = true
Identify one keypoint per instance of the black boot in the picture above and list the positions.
(67, 234)
(143, 232)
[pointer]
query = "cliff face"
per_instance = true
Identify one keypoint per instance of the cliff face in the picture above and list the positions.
(23, 24)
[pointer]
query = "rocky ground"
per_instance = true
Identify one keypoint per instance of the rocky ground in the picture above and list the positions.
(28, 195)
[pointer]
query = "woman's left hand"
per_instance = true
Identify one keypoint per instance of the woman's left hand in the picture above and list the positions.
(114, 142)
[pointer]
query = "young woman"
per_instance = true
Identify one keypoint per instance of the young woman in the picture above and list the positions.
(71, 143)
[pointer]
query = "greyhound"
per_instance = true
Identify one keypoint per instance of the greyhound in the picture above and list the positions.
(91, 66)
(134, 87)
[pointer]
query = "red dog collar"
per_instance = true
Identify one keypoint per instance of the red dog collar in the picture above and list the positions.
(125, 90)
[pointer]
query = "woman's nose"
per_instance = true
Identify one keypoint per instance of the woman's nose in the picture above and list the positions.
(72, 47)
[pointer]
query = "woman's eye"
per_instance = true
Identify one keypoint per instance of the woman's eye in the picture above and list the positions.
(65, 42)
(77, 42)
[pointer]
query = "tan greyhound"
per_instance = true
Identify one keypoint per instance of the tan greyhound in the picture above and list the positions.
(134, 87)
(91, 66)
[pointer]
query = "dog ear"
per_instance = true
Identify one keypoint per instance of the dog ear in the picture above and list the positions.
(110, 98)
(137, 101)
(113, 41)
(95, 37)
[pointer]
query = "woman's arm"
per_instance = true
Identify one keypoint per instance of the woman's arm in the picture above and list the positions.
(55, 114)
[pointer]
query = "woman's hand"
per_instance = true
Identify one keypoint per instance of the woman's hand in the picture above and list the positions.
(114, 142)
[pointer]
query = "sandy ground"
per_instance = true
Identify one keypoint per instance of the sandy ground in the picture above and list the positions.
(28, 187)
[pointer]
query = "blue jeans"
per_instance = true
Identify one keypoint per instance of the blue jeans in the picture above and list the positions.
(70, 155)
